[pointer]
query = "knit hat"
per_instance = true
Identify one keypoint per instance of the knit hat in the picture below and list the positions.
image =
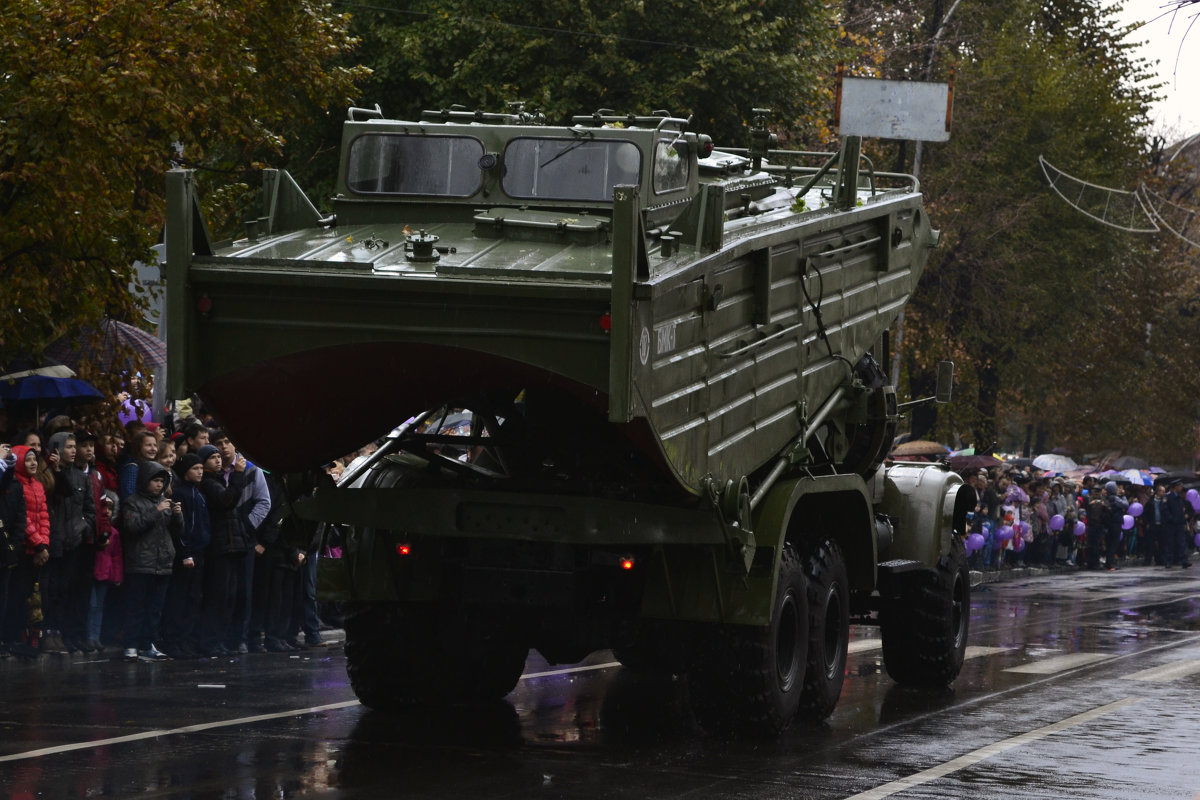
(204, 452)
(188, 461)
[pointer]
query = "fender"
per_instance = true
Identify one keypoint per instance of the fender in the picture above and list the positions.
(924, 504)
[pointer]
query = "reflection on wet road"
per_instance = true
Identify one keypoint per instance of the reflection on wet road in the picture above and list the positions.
(1076, 686)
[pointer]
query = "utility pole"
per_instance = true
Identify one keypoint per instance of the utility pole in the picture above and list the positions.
(918, 149)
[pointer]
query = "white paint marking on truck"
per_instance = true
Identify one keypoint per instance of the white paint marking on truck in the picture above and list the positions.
(995, 749)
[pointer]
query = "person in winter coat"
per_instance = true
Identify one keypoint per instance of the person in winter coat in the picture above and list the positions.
(32, 554)
(12, 540)
(225, 576)
(72, 523)
(83, 585)
(182, 613)
(150, 523)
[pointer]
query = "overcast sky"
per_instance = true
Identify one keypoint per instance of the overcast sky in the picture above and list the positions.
(1177, 51)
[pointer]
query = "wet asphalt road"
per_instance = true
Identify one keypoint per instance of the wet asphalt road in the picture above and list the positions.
(1081, 685)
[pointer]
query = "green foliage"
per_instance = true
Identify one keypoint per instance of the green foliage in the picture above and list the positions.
(98, 97)
(716, 61)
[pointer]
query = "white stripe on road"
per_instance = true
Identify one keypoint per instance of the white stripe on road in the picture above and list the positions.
(567, 671)
(204, 726)
(974, 757)
(1050, 666)
(1167, 672)
(974, 651)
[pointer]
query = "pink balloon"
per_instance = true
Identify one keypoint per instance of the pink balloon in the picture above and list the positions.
(1135, 509)
(1057, 522)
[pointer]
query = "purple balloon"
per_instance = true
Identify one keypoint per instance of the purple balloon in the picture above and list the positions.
(1126, 522)
(1005, 533)
(1191, 494)
(1135, 509)
(974, 542)
(1198, 540)
(1057, 522)
(1080, 529)
(1025, 529)
(1196, 505)
(1018, 544)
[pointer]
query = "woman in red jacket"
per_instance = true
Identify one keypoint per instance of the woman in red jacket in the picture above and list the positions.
(32, 556)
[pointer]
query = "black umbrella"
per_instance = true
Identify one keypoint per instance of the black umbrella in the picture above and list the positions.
(110, 353)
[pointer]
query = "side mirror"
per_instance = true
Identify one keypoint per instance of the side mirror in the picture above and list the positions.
(945, 382)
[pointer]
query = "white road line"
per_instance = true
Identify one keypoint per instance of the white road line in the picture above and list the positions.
(975, 651)
(864, 645)
(1166, 672)
(974, 757)
(1049, 666)
(567, 671)
(204, 726)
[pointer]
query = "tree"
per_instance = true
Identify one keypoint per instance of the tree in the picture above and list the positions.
(716, 61)
(99, 97)
(1021, 284)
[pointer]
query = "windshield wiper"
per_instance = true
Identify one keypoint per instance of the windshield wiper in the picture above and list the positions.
(585, 137)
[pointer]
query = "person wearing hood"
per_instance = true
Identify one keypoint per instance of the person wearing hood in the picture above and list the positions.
(150, 523)
(32, 553)
(1118, 505)
(72, 524)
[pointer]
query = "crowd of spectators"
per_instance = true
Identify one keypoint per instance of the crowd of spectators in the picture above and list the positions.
(1032, 519)
(150, 543)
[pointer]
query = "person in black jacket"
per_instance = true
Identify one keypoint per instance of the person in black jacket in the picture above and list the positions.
(225, 575)
(72, 523)
(1176, 527)
(12, 539)
(150, 523)
(184, 597)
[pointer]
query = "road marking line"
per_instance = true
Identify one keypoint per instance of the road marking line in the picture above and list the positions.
(204, 726)
(864, 645)
(976, 651)
(995, 749)
(1049, 666)
(606, 665)
(1167, 672)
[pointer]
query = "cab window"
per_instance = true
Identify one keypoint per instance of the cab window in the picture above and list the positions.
(670, 167)
(569, 169)
(443, 166)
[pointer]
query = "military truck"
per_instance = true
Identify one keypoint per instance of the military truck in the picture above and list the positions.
(629, 396)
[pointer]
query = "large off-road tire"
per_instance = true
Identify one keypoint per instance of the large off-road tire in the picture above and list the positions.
(924, 624)
(398, 657)
(828, 629)
(749, 679)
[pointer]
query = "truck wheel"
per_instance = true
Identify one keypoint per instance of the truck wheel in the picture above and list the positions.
(828, 630)
(924, 624)
(395, 658)
(749, 679)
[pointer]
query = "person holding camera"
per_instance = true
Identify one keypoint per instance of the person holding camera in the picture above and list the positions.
(150, 522)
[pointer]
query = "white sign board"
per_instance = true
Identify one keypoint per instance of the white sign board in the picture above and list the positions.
(894, 109)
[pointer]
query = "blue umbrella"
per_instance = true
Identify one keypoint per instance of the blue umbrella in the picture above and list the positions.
(43, 388)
